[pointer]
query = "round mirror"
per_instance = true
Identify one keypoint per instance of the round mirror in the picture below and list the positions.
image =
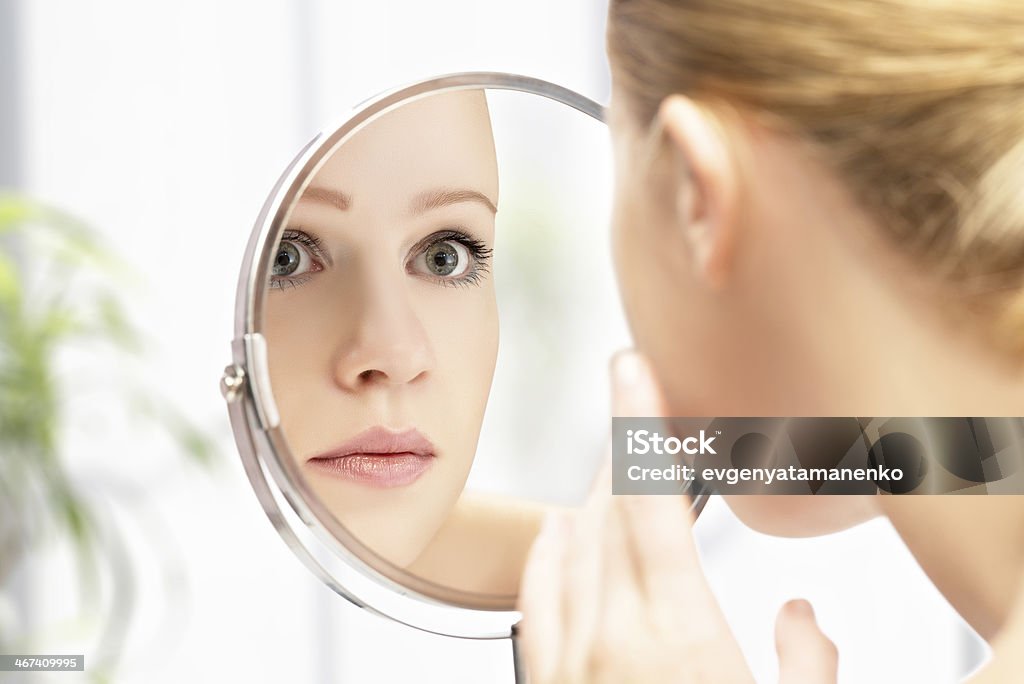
(425, 315)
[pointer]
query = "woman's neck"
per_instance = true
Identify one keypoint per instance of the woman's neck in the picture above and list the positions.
(969, 546)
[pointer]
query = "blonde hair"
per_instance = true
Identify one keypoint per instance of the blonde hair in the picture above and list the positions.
(918, 104)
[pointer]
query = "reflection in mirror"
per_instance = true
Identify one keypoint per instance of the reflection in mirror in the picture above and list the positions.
(382, 325)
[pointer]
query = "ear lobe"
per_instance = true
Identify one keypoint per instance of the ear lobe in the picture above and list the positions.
(706, 186)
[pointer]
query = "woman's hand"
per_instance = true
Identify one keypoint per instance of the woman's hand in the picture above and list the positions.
(615, 591)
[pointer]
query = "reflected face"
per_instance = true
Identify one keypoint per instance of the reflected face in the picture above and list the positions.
(382, 323)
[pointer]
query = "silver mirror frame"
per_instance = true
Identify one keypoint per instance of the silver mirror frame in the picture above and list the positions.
(303, 522)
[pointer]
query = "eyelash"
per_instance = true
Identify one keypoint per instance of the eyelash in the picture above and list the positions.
(479, 250)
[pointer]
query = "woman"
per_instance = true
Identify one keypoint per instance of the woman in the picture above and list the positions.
(382, 331)
(818, 212)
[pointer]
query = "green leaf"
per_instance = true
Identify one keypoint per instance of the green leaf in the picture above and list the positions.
(193, 441)
(115, 324)
(14, 212)
(10, 287)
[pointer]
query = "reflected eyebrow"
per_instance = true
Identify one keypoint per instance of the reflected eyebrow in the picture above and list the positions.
(334, 198)
(432, 199)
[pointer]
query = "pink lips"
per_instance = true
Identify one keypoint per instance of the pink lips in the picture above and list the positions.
(379, 457)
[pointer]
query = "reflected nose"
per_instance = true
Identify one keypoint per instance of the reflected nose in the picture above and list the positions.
(385, 342)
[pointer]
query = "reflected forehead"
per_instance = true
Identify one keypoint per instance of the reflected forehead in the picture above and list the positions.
(424, 155)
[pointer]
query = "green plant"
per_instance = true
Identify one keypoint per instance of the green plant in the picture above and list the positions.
(61, 288)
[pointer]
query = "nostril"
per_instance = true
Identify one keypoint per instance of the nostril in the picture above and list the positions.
(366, 375)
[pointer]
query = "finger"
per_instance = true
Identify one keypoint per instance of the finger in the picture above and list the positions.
(636, 394)
(806, 655)
(622, 602)
(583, 577)
(660, 527)
(668, 568)
(540, 599)
(601, 487)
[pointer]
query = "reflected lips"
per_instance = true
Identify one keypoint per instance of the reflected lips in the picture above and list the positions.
(379, 457)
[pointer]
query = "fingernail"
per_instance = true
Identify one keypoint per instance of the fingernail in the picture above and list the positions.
(626, 368)
(800, 608)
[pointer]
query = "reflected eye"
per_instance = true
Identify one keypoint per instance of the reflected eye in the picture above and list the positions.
(446, 258)
(297, 258)
(450, 257)
(287, 260)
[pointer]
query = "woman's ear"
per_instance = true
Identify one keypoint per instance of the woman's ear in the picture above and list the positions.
(705, 180)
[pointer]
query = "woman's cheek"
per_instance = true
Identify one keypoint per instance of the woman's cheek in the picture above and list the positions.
(464, 334)
(643, 297)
